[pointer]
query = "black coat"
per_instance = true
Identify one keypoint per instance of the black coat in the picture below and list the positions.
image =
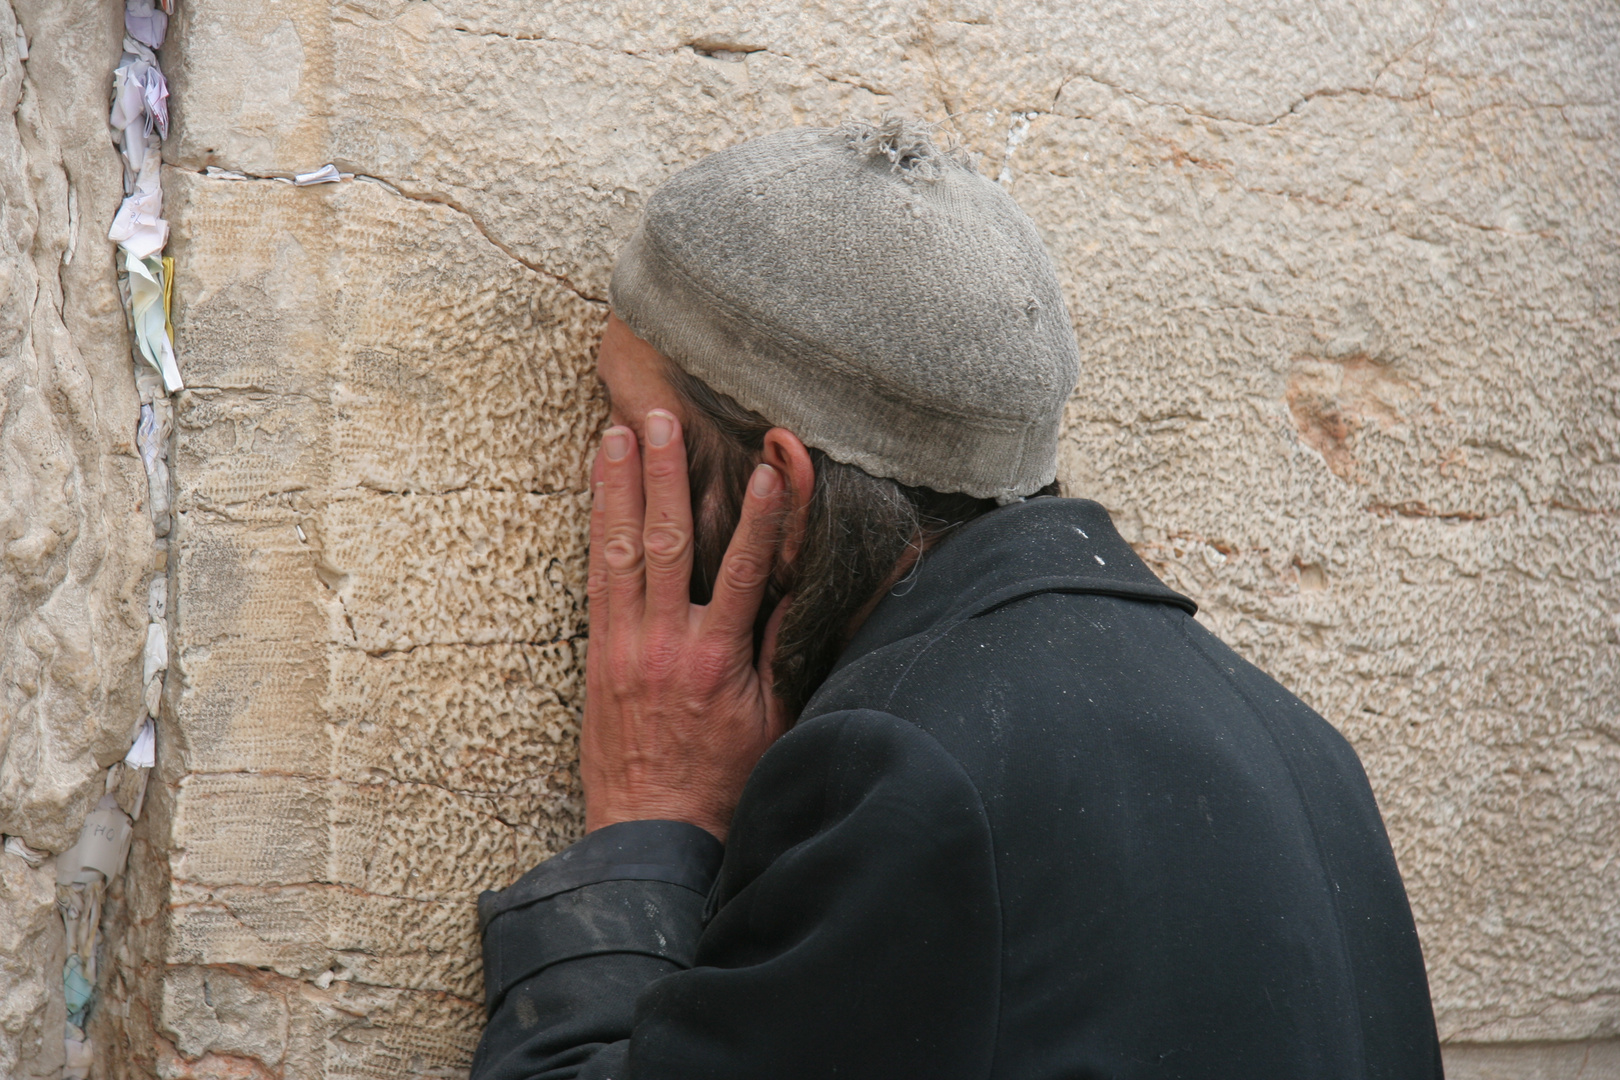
(1038, 823)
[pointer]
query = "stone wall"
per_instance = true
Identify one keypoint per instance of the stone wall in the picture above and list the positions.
(76, 542)
(1347, 282)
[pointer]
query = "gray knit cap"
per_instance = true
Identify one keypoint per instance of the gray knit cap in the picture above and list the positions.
(870, 293)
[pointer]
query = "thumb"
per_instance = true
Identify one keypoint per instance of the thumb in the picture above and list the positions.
(776, 717)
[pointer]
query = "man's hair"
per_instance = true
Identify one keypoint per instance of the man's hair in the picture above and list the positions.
(858, 528)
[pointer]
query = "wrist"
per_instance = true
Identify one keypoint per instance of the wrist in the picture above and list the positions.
(706, 818)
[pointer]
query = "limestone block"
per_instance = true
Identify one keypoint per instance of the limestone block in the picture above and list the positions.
(1533, 1060)
(30, 943)
(500, 721)
(255, 705)
(378, 605)
(479, 122)
(75, 538)
(468, 567)
(72, 489)
(225, 1013)
(326, 933)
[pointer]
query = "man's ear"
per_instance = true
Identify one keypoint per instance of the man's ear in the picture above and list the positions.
(784, 452)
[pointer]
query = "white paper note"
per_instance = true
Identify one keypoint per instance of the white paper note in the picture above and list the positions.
(16, 845)
(156, 656)
(143, 754)
(146, 309)
(326, 174)
(138, 227)
(145, 22)
(104, 841)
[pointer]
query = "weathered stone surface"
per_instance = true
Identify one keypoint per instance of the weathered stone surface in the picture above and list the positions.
(377, 626)
(30, 946)
(1346, 277)
(75, 540)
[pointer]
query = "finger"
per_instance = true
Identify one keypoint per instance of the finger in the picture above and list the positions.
(621, 523)
(747, 566)
(666, 538)
(596, 576)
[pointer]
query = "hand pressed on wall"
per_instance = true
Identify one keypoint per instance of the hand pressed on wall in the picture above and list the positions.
(678, 709)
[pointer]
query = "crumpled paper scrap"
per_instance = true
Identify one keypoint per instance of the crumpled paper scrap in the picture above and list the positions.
(103, 845)
(16, 845)
(138, 227)
(78, 989)
(326, 174)
(152, 439)
(155, 658)
(146, 311)
(157, 593)
(80, 1055)
(143, 753)
(146, 22)
(168, 297)
(140, 96)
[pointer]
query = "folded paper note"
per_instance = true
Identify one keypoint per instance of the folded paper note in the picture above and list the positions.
(326, 174)
(146, 22)
(16, 845)
(104, 841)
(140, 97)
(146, 310)
(156, 656)
(138, 227)
(102, 847)
(143, 754)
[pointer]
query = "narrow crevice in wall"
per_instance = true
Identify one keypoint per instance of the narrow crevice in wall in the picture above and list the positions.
(90, 886)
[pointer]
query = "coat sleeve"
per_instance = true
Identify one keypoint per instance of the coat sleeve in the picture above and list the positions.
(853, 931)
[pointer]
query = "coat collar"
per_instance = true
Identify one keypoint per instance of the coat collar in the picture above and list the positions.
(1035, 546)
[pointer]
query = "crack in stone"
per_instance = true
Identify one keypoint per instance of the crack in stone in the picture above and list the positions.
(698, 47)
(257, 973)
(383, 654)
(489, 812)
(436, 198)
(483, 230)
(276, 887)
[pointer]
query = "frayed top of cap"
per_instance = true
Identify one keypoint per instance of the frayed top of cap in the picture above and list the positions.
(906, 144)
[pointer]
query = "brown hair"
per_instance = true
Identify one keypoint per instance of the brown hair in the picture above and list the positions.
(858, 528)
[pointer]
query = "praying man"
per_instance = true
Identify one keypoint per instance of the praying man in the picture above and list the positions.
(896, 762)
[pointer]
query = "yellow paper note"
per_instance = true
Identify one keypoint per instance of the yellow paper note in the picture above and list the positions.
(168, 296)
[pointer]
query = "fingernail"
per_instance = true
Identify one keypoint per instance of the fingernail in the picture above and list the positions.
(660, 428)
(764, 482)
(616, 443)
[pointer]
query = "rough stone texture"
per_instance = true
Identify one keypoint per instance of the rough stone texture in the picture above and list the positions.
(1347, 282)
(379, 592)
(75, 541)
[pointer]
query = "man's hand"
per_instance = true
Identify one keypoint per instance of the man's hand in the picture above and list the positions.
(677, 708)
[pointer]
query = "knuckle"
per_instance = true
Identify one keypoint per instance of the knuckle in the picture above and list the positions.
(621, 551)
(662, 655)
(666, 545)
(664, 467)
(622, 662)
(712, 668)
(745, 569)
